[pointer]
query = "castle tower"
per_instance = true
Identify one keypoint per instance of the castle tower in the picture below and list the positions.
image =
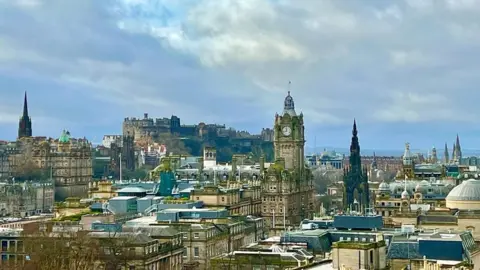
(289, 137)
(357, 193)
(446, 158)
(128, 151)
(25, 123)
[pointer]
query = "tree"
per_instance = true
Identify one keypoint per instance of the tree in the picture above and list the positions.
(60, 250)
(323, 177)
(138, 174)
(28, 170)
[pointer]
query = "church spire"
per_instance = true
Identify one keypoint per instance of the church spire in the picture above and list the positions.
(25, 105)
(25, 124)
(458, 149)
(446, 158)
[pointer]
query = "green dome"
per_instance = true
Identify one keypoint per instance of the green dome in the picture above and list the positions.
(65, 137)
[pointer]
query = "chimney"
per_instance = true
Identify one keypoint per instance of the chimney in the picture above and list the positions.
(145, 115)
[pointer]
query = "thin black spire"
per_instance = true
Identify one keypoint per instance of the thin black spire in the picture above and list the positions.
(25, 123)
(354, 131)
(25, 105)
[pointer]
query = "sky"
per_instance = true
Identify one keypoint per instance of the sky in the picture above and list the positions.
(406, 70)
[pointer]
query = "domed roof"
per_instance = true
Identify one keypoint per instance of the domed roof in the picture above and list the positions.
(468, 190)
(384, 186)
(405, 195)
(65, 137)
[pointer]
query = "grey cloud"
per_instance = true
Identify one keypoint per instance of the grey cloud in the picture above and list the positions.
(232, 60)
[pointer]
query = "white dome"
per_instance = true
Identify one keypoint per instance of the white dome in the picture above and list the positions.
(468, 190)
(405, 195)
(384, 186)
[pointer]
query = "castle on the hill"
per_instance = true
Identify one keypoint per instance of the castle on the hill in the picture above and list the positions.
(149, 127)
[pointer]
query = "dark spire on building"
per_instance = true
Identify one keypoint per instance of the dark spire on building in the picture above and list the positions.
(446, 158)
(25, 105)
(356, 178)
(25, 124)
(458, 148)
(355, 147)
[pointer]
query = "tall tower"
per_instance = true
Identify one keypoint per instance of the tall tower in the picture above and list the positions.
(355, 180)
(458, 150)
(289, 137)
(446, 158)
(287, 185)
(434, 158)
(128, 151)
(25, 124)
(408, 164)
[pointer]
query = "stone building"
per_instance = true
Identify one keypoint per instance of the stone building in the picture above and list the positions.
(67, 161)
(410, 196)
(287, 186)
(26, 199)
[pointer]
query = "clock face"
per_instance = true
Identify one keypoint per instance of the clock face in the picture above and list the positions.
(286, 131)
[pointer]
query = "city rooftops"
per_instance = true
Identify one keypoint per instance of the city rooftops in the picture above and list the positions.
(358, 222)
(123, 198)
(132, 190)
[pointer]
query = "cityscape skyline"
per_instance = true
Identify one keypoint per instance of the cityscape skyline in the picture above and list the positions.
(129, 58)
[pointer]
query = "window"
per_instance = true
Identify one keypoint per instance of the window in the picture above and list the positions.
(349, 239)
(341, 238)
(196, 235)
(223, 199)
(196, 252)
(185, 252)
(371, 256)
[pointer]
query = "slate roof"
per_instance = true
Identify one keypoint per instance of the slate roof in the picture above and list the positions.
(404, 250)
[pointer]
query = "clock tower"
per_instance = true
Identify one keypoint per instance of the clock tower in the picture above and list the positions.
(289, 137)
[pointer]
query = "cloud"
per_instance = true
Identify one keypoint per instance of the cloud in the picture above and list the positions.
(227, 61)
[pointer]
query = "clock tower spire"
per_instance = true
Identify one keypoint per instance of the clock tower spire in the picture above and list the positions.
(289, 141)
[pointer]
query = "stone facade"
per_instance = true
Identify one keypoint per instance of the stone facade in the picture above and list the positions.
(67, 161)
(287, 187)
(358, 255)
(20, 200)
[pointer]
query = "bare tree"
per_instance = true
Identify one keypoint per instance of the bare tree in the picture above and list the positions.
(324, 176)
(66, 250)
